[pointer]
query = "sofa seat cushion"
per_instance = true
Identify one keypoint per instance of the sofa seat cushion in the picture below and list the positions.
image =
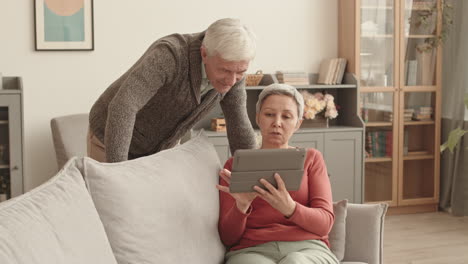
(161, 208)
(54, 223)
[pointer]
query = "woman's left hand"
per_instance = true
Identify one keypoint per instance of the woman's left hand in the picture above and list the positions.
(277, 198)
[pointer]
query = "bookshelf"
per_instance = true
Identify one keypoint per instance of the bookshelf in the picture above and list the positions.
(386, 46)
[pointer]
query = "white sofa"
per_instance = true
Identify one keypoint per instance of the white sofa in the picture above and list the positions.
(157, 209)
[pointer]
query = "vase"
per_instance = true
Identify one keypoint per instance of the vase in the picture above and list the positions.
(318, 122)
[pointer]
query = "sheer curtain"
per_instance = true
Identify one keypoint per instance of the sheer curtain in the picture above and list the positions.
(454, 167)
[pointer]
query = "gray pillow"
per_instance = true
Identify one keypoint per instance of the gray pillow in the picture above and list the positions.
(363, 219)
(161, 208)
(337, 236)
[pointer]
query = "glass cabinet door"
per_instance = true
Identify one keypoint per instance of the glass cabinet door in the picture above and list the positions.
(419, 149)
(377, 111)
(377, 45)
(420, 42)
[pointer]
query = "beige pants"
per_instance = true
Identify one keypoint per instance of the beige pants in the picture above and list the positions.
(284, 252)
(96, 149)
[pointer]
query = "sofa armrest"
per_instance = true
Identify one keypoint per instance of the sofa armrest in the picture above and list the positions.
(364, 233)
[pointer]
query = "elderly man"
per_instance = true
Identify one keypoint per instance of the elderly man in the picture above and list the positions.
(176, 82)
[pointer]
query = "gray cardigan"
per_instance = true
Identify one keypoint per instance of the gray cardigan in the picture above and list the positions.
(152, 105)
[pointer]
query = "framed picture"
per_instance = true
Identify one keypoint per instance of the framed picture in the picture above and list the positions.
(64, 24)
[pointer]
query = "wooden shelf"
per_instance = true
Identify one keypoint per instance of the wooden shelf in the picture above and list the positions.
(377, 7)
(378, 124)
(4, 166)
(420, 36)
(381, 159)
(418, 123)
(417, 156)
(3, 122)
(309, 86)
(377, 36)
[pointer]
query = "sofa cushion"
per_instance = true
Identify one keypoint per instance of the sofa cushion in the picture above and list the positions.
(54, 223)
(337, 236)
(364, 219)
(161, 208)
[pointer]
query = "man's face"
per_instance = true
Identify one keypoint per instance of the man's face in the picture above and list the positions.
(223, 74)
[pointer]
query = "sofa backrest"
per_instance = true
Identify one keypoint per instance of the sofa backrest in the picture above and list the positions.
(161, 208)
(54, 223)
(69, 136)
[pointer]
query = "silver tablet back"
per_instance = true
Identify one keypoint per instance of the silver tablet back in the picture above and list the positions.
(250, 165)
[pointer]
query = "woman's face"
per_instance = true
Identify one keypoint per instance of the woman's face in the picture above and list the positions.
(278, 121)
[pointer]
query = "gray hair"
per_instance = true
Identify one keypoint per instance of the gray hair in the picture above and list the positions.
(282, 89)
(230, 39)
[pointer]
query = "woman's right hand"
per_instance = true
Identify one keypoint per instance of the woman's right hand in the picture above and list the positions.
(243, 200)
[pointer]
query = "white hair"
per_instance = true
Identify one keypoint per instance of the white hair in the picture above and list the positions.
(282, 89)
(230, 39)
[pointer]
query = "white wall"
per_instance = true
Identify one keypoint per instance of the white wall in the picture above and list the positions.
(292, 35)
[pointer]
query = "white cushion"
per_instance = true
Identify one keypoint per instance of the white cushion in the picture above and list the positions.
(54, 223)
(161, 208)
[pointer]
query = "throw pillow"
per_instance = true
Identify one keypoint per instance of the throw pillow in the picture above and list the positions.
(365, 219)
(54, 223)
(337, 236)
(162, 208)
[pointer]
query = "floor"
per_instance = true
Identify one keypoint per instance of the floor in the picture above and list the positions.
(430, 238)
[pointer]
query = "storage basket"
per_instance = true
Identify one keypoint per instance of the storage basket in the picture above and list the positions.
(254, 79)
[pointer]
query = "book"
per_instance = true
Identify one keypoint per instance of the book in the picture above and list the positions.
(341, 71)
(332, 71)
(323, 71)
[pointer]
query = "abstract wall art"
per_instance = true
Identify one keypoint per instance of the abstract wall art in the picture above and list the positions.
(64, 24)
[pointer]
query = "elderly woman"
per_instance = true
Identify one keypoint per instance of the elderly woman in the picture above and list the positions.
(276, 225)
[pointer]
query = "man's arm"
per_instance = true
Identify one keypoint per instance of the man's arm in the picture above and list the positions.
(239, 129)
(154, 70)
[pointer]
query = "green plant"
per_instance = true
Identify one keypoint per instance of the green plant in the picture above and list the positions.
(424, 19)
(455, 135)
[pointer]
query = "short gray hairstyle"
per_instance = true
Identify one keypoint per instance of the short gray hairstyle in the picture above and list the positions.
(282, 89)
(230, 39)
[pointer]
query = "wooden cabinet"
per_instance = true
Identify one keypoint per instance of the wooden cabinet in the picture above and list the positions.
(341, 143)
(11, 138)
(391, 45)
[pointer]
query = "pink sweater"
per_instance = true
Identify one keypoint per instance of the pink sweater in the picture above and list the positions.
(312, 219)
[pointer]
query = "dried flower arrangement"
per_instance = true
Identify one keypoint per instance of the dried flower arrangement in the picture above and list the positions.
(319, 104)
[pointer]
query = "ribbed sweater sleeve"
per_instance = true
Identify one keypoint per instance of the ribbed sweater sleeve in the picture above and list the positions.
(239, 129)
(232, 221)
(156, 68)
(318, 216)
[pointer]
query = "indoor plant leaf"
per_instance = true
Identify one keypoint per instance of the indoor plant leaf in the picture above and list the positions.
(453, 139)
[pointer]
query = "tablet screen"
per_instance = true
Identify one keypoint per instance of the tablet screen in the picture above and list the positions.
(251, 165)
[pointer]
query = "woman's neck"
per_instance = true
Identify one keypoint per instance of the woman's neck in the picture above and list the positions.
(267, 146)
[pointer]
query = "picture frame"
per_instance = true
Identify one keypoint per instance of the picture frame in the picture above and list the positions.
(63, 25)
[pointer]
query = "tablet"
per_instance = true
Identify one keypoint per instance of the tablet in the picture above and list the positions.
(251, 165)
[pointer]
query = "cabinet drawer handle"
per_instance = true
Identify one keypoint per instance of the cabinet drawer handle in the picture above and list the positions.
(14, 168)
